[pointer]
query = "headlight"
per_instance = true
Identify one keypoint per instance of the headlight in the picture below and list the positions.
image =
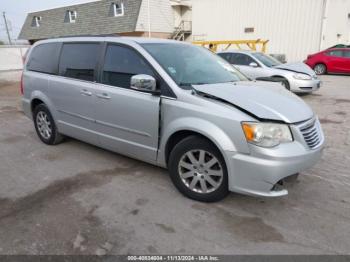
(302, 76)
(266, 134)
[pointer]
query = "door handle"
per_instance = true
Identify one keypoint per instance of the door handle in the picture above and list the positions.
(85, 92)
(103, 96)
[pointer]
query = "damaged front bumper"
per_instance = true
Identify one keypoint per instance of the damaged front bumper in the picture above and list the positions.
(262, 172)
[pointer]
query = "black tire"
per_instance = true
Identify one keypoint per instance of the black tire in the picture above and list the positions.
(55, 137)
(285, 83)
(281, 80)
(320, 69)
(190, 144)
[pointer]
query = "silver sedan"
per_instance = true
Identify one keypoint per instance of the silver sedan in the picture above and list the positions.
(296, 77)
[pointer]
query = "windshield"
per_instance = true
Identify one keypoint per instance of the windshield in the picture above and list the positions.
(192, 65)
(267, 60)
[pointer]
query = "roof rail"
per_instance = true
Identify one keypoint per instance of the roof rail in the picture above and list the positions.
(105, 35)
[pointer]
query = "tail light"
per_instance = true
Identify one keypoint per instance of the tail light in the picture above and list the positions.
(24, 57)
(22, 88)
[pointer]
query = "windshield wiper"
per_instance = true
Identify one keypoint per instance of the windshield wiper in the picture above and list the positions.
(191, 84)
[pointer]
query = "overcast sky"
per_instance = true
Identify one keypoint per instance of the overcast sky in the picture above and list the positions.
(16, 12)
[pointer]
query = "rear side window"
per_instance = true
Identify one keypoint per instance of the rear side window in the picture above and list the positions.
(337, 53)
(79, 60)
(226, 56)
(241, 59)
(44, 58)
(121, 63)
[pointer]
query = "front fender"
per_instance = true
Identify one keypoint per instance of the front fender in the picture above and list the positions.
(203, 127)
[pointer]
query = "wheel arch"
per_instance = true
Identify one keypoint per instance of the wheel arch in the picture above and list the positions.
(283, 78)
(177, 137)
(34, 103)
(39, 97)
(280, 76)
(177, 132)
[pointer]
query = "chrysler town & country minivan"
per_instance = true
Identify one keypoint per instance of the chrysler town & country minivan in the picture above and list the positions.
(174, 105)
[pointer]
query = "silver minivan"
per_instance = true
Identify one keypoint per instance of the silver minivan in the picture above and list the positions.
(174, 105)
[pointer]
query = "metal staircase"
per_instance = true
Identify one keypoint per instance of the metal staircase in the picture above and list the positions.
(182, 31)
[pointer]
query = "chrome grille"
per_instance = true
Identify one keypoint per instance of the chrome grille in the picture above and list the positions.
(311, 133)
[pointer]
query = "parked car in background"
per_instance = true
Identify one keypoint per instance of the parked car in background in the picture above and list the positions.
(296, 77)
(174, 105)
(335, 60)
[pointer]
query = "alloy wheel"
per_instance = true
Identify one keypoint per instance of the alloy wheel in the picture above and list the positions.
(200, 171)
(320, 69)
(44, 125)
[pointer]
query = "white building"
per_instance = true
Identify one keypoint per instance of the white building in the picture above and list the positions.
(294, 27)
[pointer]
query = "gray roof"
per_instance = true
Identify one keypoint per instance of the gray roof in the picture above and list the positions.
(93, 18)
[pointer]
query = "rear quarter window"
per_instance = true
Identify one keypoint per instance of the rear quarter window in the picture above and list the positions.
(347, 54)
(44, 58)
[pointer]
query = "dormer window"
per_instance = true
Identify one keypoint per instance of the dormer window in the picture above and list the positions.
(118, 8)
(72, 16)
(36, 21)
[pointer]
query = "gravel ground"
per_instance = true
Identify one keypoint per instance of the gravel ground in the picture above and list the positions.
(78, 199)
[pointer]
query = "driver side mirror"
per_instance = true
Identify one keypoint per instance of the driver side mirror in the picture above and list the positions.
(253, 64)
(144, 83)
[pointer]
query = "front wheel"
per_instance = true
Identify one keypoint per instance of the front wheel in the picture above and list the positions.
(320, 69)
(285, 84)
(45, 126)
(198, 170)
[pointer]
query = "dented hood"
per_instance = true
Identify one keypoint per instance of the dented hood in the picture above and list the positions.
(298, 68)
(265, 100)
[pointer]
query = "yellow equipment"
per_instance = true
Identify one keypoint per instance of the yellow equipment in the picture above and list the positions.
(252, 44)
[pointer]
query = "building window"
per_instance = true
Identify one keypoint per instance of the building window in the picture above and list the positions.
(71, 16)
(118, 8)
(249, 30)
(36, 21)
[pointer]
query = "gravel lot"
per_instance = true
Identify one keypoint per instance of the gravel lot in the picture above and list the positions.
(78, 199)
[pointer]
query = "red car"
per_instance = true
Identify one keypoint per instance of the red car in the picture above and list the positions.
(334, 60)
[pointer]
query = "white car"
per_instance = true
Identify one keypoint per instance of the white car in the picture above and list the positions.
(296, 77)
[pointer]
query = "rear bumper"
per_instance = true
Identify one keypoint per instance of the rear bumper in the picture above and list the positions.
(26, 107)
(258, 173)
(305, 86)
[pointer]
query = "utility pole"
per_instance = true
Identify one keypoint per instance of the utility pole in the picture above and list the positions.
(149, 18)
(7, 28)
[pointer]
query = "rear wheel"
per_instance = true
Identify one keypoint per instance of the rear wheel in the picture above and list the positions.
(320, 69)
(198, 170)
(45, 126)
